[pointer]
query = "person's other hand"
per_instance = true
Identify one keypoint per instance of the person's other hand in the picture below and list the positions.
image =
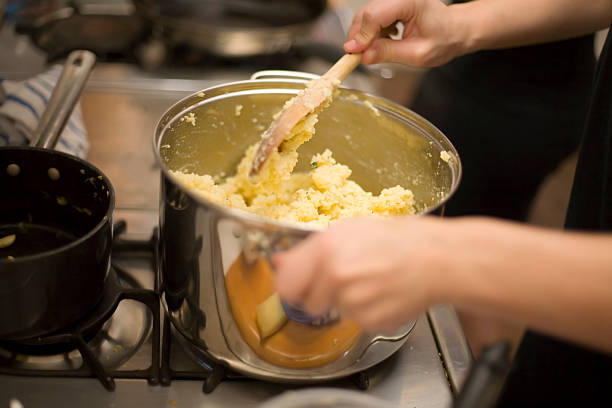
(379, 273)
(429, 38)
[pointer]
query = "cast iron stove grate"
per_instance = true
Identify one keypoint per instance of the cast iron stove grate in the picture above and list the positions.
(120, 286)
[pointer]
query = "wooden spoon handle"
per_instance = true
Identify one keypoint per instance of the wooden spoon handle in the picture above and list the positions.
(343, 67)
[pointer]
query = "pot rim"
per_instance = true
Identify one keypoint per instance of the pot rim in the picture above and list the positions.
(107, 218)
(259, 221)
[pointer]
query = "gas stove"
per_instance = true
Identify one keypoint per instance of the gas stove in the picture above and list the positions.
(133, 356)
(128, 353)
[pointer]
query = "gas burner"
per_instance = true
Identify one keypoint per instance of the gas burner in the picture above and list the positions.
(99, 344)
(111, 339)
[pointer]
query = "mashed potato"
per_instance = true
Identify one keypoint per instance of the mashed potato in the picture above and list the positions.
(320, 196)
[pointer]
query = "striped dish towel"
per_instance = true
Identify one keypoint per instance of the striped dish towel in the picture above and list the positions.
(23, 103)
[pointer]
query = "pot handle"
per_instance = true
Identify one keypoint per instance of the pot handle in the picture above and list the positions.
(403, 332)
(75, 73)
(279, 74)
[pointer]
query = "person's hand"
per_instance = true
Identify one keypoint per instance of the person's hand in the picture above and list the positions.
(384, 273)
(379, 273)
(430, 35)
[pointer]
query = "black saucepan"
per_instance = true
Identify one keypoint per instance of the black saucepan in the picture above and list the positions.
(55, 223)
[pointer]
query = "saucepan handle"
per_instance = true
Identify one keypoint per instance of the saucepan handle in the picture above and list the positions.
(77, 68)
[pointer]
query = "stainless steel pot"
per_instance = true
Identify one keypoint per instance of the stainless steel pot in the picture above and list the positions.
(384, 144)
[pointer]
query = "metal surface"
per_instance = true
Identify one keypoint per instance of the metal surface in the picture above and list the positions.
(452, 344)
(326, 397)
(201, 241)
(482, 386)
(413, 377)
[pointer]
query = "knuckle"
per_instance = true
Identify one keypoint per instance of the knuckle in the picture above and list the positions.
(424, 55)
(421, 56)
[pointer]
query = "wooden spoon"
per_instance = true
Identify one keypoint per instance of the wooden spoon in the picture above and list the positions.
(303, 104)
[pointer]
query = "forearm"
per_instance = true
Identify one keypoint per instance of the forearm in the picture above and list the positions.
(490, 24)
(558, 283)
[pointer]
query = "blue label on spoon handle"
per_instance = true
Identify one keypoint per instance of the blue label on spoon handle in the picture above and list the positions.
(299, 315)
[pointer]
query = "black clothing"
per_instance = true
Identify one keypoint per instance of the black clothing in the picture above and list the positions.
(590, 206)
(513, 116)
(547, 371)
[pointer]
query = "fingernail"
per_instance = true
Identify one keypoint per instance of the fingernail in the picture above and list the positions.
(350, 45)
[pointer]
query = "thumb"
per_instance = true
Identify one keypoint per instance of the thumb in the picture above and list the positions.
(373, 18)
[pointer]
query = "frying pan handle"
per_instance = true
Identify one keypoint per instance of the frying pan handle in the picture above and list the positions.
(279, 73)
(77, 68)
